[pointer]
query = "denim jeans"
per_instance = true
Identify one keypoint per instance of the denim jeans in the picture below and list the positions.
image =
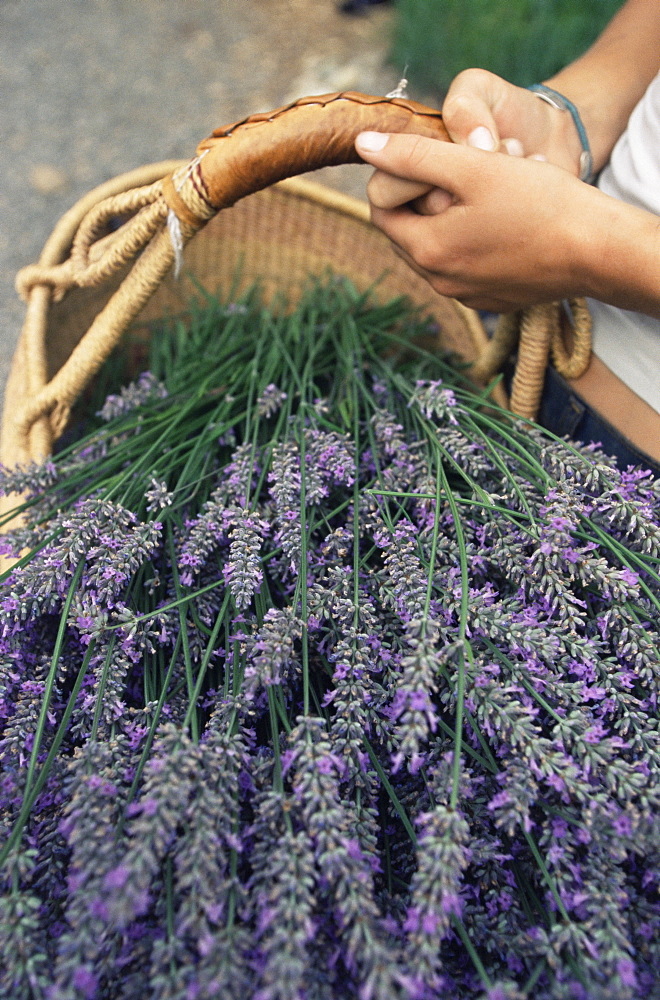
(565, 414)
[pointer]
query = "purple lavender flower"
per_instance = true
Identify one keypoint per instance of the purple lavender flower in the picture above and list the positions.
(436, 400)
(272, 655)
(29, 481)
(243, 572)
(435, 896)
(158, 497)
(240, 768)
(145, 388)
(270, 400)
(283, 887)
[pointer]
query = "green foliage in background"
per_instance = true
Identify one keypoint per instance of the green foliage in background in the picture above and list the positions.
(524, 41)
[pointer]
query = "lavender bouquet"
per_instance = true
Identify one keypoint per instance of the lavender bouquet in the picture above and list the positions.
(322, 679)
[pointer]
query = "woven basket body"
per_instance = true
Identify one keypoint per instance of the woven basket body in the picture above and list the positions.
(278, 237)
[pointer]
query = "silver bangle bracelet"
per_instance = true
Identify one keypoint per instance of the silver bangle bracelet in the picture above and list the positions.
(561, 103)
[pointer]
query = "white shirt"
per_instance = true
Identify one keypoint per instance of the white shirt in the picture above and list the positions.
(628, 342)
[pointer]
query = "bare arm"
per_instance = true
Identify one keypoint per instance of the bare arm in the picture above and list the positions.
(610, 78)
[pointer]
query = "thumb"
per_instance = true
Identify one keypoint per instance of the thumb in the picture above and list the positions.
(471, 123)
(467, 111)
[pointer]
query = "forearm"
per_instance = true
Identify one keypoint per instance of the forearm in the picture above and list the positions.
(610, 78)
(616, 250)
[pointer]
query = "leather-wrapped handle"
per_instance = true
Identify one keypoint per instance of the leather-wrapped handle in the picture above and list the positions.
(255, 152)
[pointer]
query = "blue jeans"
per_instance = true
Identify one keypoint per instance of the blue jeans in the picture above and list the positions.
(565, 414)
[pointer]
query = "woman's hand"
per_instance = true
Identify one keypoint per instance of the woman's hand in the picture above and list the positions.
(501, 231)
(492, 230)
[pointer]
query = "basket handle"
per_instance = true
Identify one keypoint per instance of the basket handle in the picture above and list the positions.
(313, 132)
(234, 161)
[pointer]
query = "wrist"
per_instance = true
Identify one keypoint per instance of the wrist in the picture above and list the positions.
(630, 279)
(569, 122)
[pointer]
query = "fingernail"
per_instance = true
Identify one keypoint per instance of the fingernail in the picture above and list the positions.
(514, 147)
(539, 156)
(481, 138)
(371, 142)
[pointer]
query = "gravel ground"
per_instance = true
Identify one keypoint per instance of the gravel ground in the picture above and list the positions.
(92, 88)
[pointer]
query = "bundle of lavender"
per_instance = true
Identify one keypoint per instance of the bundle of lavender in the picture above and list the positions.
(322, 680)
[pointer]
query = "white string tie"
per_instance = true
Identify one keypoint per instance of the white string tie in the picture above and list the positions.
(176, 236)
(173, 221)
(400, 89)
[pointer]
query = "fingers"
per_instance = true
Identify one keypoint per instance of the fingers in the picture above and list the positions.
(513, 147)
(480, 300)
(484, 111)
(386, 191)
(410, 233)
(433, 203)
(416, 163)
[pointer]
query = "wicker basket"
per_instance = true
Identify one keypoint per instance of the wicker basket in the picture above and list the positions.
(279, 236)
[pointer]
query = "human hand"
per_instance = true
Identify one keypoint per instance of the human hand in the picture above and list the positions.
(494, 231)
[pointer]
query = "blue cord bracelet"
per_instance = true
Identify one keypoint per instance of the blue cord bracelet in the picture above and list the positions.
(557, 100)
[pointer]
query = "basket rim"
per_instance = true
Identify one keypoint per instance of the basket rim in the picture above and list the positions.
(61, 237)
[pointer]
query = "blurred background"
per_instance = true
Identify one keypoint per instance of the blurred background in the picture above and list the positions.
(525, 41)
(92, 88)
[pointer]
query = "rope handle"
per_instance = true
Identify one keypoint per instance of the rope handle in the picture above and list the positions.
(536, 334)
